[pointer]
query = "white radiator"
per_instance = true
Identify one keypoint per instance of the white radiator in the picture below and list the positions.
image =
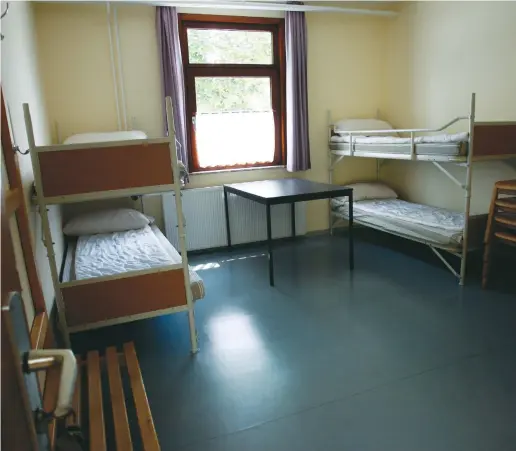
(203, 209)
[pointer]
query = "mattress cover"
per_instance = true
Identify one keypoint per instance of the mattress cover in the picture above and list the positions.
(116, 253)
(429, 139)
(106, 254)
(407, 212)
(448, 149)
(430, 235)
(104, 137)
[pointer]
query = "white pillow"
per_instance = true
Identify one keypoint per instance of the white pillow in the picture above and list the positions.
(367, 190)
(351, 125)
(84, 138)
(106, 221)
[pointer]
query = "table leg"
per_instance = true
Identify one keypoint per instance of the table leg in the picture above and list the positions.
(226, 209)
(330, 218)
(350, 232)
(293, 218)
(269, 246)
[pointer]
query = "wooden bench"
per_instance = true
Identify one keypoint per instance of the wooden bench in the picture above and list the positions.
(98, 402)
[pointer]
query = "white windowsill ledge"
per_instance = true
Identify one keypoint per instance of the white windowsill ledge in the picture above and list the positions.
(222, 171)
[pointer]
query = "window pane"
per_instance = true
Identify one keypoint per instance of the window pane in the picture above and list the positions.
(229, 46)
(235, 121)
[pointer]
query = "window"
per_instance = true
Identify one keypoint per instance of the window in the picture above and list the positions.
(235, 91)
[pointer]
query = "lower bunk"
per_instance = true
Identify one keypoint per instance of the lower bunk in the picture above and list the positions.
(111, 278)
(439, 228)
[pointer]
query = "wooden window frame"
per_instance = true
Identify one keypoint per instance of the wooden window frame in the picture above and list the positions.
(275, 71)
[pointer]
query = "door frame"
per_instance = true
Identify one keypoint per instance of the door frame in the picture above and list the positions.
(18, 429)
(15, 183)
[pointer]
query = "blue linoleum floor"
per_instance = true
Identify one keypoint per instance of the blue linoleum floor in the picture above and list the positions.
(394, 357)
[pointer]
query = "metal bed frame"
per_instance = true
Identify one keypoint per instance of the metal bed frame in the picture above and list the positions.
(507, 151)
(78, 172)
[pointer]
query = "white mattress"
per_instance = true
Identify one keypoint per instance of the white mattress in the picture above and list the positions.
(104, 137)
(429, 224)
(436, 145)
(429, 139)
(398, 209)
(115, 253)
(106, 254)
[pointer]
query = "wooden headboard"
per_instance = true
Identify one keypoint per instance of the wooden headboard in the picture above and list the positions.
(492, 139)
(73, 169)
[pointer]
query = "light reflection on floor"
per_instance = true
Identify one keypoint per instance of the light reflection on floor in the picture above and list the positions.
(244, 361)
(234, 330)
(216, 264)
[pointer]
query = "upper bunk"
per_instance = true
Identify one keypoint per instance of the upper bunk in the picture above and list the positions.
(103, 166)
(483, 141)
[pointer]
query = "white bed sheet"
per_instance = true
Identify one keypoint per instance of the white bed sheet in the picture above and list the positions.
(407, 212)
(429, 139)
(430, 235)
(450, 149)
(116, 253)
(107, 254)
(105, 137)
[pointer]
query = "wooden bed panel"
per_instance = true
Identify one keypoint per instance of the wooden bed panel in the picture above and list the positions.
(80, 171)
(494, 138)
(111, 299)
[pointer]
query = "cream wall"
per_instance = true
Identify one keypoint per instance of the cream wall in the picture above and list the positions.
(346, 56)
(20, 84)
(438, 54)
(75, 62)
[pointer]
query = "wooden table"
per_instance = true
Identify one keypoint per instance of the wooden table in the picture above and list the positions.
(287, 191)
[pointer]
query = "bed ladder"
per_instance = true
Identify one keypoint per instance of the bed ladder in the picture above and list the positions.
(111, 382)
(501, 223)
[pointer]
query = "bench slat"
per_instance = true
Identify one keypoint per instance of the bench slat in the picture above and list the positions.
(147, 429)
(96, 414)
(122, 431)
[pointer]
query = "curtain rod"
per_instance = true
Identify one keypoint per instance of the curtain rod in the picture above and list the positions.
(266, 5)
(263, 5)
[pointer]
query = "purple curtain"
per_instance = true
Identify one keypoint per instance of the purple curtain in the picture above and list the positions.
(172, 76)
(298, 145)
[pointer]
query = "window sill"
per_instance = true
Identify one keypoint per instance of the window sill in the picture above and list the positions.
(223, 171)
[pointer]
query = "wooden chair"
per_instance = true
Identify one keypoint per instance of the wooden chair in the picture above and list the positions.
(501, 223)
(90, 401)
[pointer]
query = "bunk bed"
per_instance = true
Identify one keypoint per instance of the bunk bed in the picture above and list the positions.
(440, 229)
(84, 171)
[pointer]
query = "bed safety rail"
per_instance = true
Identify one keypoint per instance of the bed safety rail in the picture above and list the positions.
(402, 130)
(80, 172)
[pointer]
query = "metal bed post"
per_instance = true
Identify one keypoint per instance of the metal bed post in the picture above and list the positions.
(330, 180)
(467, 196)
(330, 171)
(47, 233)
(181, 225)
(412, 147)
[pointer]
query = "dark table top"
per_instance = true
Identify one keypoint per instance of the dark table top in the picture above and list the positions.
(287, 190)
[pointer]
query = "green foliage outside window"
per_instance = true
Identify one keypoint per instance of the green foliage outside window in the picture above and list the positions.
(226, 94)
